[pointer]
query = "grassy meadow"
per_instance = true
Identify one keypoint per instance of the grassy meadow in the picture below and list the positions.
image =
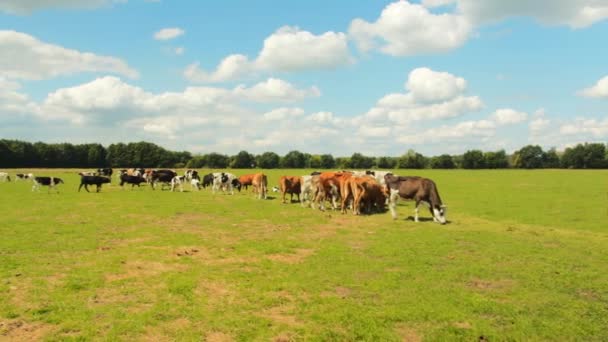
(523, 257)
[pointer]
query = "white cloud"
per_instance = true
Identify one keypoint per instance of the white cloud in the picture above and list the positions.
(276, 90)
(507, 116)
(12, 101)
(288, 49)
(599, 90)
(437, 3)
(283, 113)
(406, 29)
(588, 127)
(168, 33)
(25, 57)
(422, 102)
(447, 133)
(539, 123)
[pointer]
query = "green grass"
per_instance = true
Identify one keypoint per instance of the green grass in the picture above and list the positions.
(524, 257)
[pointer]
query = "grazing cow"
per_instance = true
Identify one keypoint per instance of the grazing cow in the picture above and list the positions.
(246, 180)
(237, 184)
(51, 182)
(224, 181)
(5, 177)
(260, 185)
(420, 190)
(327, 186)
(162, 176)
(105, 172)
(177, 181)
(191, 174)
(207, 180)
(290, 185)
(133, 180)
(92, 180)
(24, 176)
(367, 191)
(306, 190)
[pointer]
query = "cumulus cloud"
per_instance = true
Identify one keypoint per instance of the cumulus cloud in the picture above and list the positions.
(405, 29)
(276, 90)
(599, 90)
(168, 33)
(422, 102)
(25, 57)
(507, 116)
(586, 127)
(539, 123)
(288, 49)
(283, 113)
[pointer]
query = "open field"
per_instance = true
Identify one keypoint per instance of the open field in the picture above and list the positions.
(524, 257)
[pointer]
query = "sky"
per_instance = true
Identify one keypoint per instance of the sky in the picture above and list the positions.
(375, 77)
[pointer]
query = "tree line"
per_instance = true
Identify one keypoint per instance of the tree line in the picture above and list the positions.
(16, 153)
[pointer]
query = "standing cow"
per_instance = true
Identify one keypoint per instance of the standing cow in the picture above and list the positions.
(290, 185)
(92, 180)
(420, 190)
(51, 182)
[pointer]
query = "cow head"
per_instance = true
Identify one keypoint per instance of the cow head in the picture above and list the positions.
(237, 184)
(439, 212)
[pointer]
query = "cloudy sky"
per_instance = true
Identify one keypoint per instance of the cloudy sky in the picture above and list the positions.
(377, 77)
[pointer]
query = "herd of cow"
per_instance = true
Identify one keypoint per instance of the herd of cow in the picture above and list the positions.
(358, 190)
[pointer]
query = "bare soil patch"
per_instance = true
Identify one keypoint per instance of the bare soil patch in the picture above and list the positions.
(19, 330)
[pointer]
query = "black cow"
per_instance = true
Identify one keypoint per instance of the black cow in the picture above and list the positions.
(163, 176)
(236, 184)
(208, 180)
(105, 171)
(51, 182)
(133, 180)
(92, 180)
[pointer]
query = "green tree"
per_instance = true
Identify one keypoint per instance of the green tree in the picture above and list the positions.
(496, 160)
(551, 159)
(386, 162)
(268, 160)
(359, 161)
(294, 160)
(443, 161)
(243, 160)
(529, 157)
(412, 160)
(327, 161)
(217, 161)
(473, 159)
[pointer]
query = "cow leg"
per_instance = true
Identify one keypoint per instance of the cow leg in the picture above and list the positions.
(98, 187)
(392, 203)
(86, 187)
(416, 211)
(80, 187)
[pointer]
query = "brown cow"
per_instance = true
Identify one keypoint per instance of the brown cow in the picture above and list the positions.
(367, 191)
(327, 185)
(420, 190)
(260, 185)
(291, 185)
(246, 180)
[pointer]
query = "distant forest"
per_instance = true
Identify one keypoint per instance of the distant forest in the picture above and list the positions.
(22, 154)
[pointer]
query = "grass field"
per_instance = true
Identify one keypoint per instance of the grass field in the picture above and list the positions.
(524, 257)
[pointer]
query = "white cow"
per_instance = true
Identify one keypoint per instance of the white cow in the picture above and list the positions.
(306, 191)
(4, 177)
(195, 183)
(177, 181)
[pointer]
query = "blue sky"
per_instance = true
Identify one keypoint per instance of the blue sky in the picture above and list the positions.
(377, 77)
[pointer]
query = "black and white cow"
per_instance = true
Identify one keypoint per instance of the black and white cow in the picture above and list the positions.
(191, 174)
(162, 176)
(51, 182)
(224, 181)
(420, 190)
(4, 177)
(92, 180)
(105, 171)
(24, 176)
(177, 181)
(133, 180)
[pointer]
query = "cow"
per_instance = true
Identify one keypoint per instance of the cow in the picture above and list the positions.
(224, 181)
(92, 180)
(105, 172)
(4, 177)
(260, 185)
(246, 180)
(207, 180)
(178, 181)
(420, 190)
(51, 182)
(306, 190)
(87, 173)
(195, 183)
(162, 176)
(191, 174)
(290, 185)
(133, 180)
(23, 176)
(368, 192)
(327, 186)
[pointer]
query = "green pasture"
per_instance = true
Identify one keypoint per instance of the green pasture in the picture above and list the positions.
(524, 257)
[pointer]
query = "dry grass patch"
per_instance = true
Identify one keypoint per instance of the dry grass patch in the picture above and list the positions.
(283, 315)
(408, 334)
(144, 269)
(216, 336)
(19, 330)
(292, 258)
